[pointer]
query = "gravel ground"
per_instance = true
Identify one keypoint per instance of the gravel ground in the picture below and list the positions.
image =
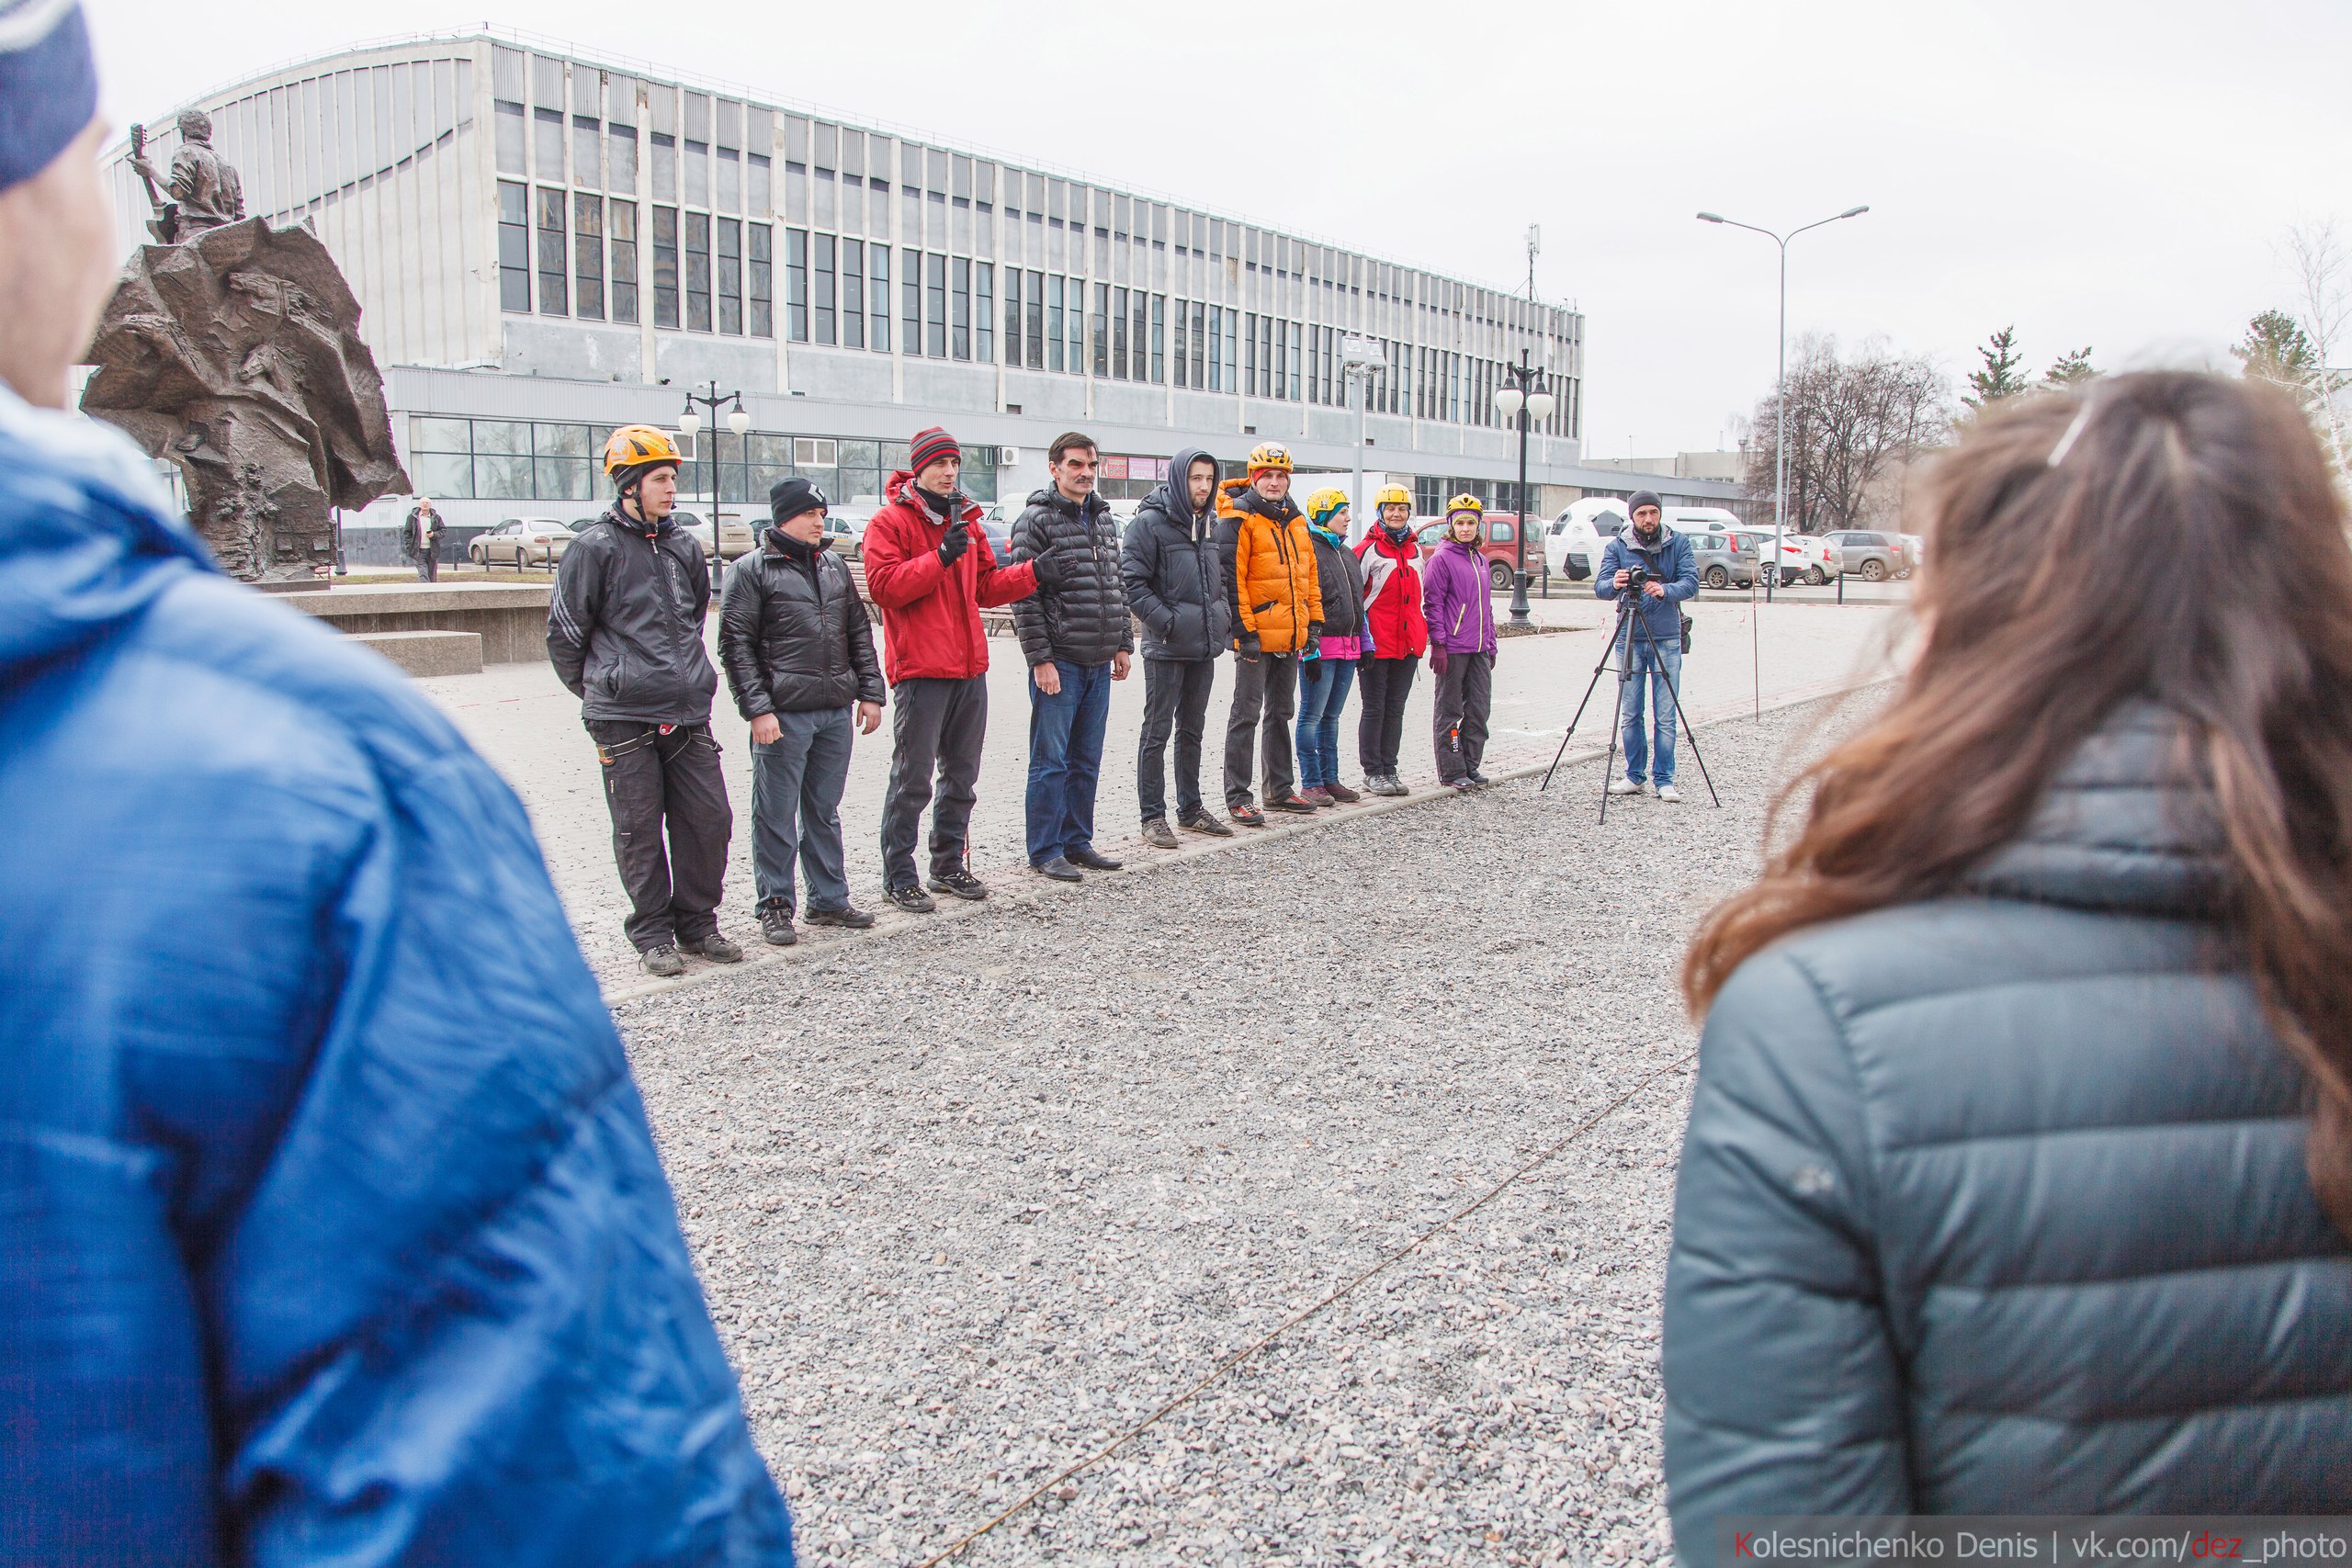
(972, 1199)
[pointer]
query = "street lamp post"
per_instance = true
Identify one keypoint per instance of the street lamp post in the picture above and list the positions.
(1360, 355)
(1526, 402)
(1780, 381)
(690, 421)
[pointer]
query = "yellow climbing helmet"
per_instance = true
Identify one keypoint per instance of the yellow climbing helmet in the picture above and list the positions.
(1391, 495)
(1269, 455)
(1469, 503)
(634, 445)
(1324, 503)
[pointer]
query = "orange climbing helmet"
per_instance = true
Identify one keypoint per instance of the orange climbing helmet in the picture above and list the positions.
(636, 446)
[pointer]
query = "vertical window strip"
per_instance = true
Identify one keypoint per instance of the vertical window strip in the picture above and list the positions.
(821, 298)
(910, 300)
(588, 256)
(959, 308)
(697, 249)
(759, 241)
(665, 266)
(984, 312)
(514, 247)
(731, 276)
(795, 284)
(934, 345)
(878, 297)
(621, 220)
(554, 264)
(853, 294)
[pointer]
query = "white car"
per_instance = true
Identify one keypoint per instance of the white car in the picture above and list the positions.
(520, 542)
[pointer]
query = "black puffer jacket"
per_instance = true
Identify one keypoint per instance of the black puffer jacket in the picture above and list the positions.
(1340, 576)
(793, 632)
(1082, 618)
(1175, 582)
(1996, 1203)
(625, 623)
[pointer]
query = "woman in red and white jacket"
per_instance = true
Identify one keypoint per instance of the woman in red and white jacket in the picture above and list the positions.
(1397, 637)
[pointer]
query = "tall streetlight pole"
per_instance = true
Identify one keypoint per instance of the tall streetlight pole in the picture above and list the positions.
(1781, 382)
(1525, 402)
(690, 421)
(1361, 357)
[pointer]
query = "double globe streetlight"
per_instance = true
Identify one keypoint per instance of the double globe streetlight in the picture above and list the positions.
(1780, 381)
(690, 421)
(1525, 401)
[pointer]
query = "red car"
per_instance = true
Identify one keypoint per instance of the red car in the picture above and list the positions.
(1500, 547)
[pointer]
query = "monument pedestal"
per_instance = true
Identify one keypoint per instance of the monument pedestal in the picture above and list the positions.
(508, 619)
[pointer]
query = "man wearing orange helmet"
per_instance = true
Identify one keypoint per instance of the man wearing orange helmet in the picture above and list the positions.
(625, 631)
(1269, 559)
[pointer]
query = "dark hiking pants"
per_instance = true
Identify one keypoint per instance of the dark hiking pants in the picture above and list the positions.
(658, 786)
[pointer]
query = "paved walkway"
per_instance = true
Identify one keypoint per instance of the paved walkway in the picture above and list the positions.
(529, 725)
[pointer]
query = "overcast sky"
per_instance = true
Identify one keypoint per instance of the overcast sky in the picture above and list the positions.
(2113, 175)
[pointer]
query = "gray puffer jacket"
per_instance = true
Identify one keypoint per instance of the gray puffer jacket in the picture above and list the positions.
(1082, 618)
(1996, 1203)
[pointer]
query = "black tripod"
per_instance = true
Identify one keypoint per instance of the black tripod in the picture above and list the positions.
(1628, 623)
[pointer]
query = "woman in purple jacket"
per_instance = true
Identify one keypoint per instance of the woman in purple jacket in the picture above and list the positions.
(1458, 599)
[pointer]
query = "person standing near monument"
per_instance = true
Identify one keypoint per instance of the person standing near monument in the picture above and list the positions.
(421, 542)
(328, 1211)
(1270, 561)
(624, 633)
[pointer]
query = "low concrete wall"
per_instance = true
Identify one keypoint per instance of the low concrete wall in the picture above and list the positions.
(511, 618)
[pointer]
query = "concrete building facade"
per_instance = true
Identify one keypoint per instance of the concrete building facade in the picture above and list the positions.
(547, 244)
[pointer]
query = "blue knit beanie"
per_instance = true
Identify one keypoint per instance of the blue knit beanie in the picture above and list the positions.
(48, 85)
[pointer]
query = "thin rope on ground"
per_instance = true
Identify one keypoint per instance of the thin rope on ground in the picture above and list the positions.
(1219, 1371)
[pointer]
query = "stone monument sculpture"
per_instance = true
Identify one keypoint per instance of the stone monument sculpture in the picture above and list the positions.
(233, 348)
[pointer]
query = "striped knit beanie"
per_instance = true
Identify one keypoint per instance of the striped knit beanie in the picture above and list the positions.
(48, 85)
(930, 446)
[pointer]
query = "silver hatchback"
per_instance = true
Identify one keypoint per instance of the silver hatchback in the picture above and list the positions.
(1873, 557)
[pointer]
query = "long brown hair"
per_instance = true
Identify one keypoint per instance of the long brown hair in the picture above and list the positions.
(2164, 534)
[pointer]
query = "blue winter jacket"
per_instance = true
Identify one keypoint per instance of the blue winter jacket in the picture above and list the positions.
(331, 1227)
(1672, 562)
(1996, 1203)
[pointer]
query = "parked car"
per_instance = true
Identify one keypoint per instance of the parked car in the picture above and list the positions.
(520, 542)
(1817, 562)
(735, 537)
(1727, 559)
(1501, 546)
(853, 516)
(1872, 557)
(1573, 541)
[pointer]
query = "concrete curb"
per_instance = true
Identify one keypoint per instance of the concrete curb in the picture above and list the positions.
(1016, 885)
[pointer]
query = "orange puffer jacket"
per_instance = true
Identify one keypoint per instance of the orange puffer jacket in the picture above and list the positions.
(1270, 560)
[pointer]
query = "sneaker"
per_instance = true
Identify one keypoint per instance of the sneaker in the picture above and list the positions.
(1198, 820)
(1387, 784)
(910, 898)
(1292, 804)
(1461, 786)
(776, 923)
(1342, 793)
(1087, 855)
(1668, 792)
(1624, 786)
(848, 917)
(1481, 780)
(663, 961)
(959, 881)
(1313, 794)
(1060, 869)
(1245, 816)
(715, 947)
(1159, 835)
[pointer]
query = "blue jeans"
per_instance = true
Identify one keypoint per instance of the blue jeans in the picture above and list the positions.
(1323, 686)
(1066, 759)
(796, 807)
(1655, 670)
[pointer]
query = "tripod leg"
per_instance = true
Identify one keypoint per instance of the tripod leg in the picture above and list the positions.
(1683, 723)
(1598, 669)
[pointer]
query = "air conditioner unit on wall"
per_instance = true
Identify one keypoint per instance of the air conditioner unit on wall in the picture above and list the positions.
(1008, 456)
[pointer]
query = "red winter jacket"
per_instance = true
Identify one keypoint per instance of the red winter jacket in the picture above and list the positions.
(1392, 595)
(931, 613)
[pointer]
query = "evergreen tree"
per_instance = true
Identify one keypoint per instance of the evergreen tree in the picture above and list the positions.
(2276, 348)
(2001, 376)
(2070, 368)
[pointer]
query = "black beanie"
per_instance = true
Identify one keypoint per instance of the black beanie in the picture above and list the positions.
(1645, 498)
(787, 499)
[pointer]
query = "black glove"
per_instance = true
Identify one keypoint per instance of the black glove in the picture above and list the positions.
(1050, 572)
(958, 540)
(1314, 649)
(1249, 646)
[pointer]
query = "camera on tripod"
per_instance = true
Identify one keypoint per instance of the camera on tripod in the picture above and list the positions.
(1635, 577)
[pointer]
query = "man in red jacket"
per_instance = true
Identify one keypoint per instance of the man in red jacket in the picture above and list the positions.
(929, 568)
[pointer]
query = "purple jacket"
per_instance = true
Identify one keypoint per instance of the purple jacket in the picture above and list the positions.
(1455, 597)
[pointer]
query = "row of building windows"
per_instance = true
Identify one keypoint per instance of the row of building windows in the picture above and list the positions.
(709, 273)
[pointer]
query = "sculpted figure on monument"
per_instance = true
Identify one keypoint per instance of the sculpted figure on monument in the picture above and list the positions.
(205, 192)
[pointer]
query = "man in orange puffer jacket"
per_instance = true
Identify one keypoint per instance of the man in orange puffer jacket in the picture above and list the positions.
(1270, 560)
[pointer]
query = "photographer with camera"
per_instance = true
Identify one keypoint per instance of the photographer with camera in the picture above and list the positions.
(1659, 568)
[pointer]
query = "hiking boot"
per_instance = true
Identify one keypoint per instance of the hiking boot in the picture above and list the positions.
(959, 881)
(1395, 786)
(1481, 780)
(1198, 820)
(1316, 795)
(1244, 814)
(663, 961)
(1459, 787)
(910, 898)
(1060, 869)
(1624, 786)
(848, 917)
(715, 947)
(776, 923)
(1292, 804)
(1158, 835)
(1092, 859)
(1342, 793)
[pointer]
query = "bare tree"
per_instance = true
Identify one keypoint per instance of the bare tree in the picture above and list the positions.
(1851, 421)
(2323, 282)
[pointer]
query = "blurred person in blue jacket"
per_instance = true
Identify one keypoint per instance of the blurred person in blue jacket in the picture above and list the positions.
(331, 1226)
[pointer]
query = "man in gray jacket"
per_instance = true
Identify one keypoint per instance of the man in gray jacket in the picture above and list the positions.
(624, 633)
(798, 651)
(1176, 584)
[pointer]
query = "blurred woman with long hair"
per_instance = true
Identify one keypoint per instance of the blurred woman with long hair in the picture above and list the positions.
(2019, 1167)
